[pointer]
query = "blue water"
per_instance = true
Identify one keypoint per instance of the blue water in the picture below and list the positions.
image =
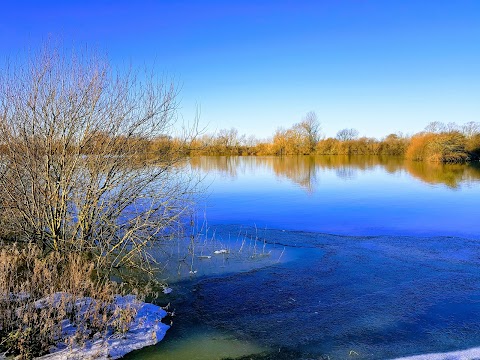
(382, 297)
(373, 259)
(350, 197)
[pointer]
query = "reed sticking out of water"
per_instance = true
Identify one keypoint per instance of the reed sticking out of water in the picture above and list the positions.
(202, 250)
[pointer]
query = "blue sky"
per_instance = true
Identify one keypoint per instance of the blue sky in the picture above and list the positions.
(378, 66)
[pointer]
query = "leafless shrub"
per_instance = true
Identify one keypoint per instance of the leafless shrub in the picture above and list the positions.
(82, 198)
(347, 134)
(74, 175)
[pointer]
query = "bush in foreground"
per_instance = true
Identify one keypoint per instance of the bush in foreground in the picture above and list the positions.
(40, 294)
(81, 202)
(73, 174)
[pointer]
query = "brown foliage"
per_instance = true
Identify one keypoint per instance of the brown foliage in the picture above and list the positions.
(38, 293)
(472, 145)
(442, 147)
(435, 173)
(393, 145)
(362, 146)
(444, 143)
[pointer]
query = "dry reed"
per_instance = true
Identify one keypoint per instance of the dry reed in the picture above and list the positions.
(54, 298)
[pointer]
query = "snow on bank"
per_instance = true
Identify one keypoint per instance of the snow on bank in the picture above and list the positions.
(469, 354)
(145, 330)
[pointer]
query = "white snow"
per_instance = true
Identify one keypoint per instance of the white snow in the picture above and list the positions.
(468, 354)
(222, 251)
(145, 330)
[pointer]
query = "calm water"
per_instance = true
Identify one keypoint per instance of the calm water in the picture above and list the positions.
(362, 258)
(341, 195)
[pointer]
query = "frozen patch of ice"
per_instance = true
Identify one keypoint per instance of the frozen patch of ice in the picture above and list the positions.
(469, 354)
(145, 330)
(222, 251)
(167, 290)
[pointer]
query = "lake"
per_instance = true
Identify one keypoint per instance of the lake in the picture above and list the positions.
(328, 257)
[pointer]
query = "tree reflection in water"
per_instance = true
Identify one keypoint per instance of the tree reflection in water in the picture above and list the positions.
(305, 170)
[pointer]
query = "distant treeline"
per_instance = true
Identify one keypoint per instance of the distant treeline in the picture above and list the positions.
(438, 142)
(448, 143)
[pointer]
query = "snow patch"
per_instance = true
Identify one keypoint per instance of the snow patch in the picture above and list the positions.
(469, 354)
(145, 330)
(167, 290)
(222, 251)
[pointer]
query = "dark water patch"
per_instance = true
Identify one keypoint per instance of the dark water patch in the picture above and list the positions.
(280, 354)
(377, 297)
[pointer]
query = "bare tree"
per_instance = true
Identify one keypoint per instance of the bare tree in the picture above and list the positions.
(436, 127)
(311, 128)
(228, 140)
(471, 128)
(452, 127)
(347, 134)
(72, 174)
(251, 141)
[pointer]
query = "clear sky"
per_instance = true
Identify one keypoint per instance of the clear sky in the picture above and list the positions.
(378, 66)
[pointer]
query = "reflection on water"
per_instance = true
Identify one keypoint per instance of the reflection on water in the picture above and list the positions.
(305, 170)
(356, 195)
(452, 175)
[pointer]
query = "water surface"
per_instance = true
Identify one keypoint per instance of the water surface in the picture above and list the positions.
(370, 258)
(343, 195)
